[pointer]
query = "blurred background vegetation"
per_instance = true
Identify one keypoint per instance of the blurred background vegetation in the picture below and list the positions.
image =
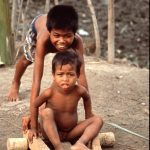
(131, 26)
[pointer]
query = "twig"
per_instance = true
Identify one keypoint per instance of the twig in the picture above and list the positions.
(126, 130)
(96, 29)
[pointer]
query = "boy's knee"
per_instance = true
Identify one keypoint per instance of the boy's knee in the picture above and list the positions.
(46, 113)
(98, 120)
(25, 62)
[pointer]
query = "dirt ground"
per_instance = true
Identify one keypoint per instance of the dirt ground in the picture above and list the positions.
(119, 94)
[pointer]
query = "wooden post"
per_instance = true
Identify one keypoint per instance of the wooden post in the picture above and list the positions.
(96, 29)
(56, 2)
(13, 16)
(47, 5)
(111, 32)
(7, 51)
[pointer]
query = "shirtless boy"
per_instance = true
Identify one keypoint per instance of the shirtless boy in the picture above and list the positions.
(49, 33)
(59, 118)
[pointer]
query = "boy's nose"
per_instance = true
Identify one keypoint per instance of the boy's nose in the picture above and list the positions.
(65, 78)
(61, 39)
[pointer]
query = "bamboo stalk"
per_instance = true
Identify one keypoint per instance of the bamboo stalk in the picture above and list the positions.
(111, 32)
(96, 29)
(47, 5)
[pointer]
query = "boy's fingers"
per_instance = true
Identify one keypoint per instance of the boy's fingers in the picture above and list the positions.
(25, 123)
(31, 136)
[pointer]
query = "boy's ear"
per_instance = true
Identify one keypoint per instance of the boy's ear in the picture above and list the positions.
(53, 76)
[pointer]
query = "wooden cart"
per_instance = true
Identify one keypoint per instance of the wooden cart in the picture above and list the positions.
(102, 139)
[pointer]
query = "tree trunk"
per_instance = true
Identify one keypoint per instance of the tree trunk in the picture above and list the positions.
(47, 5)
(111, 32)
(13, 16)
(56, 2)
(96, 29)
(6, 38)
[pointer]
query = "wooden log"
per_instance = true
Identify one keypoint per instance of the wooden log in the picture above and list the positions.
(111, 32)
(103, 139)
(107, 139)
(96, 143)
(17, 144)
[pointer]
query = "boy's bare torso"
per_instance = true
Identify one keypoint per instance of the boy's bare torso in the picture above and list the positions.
(64, 106)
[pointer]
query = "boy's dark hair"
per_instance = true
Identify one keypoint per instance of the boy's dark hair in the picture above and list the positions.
(62, 17)
(66, 57)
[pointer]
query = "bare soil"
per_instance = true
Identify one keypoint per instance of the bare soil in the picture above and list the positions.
(119, 94)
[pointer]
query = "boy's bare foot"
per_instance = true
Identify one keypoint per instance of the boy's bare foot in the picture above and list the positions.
(79, 146)
(13, 94)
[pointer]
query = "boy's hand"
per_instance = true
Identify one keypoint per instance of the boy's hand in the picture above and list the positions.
(32, 133)
(26, 123)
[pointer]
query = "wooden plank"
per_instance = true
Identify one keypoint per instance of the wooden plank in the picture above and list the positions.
(37, 144)
(96, 143)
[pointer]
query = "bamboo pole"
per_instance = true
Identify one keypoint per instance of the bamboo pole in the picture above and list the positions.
(7, 51)
(111, 32)
(24, 14)
(96, 29)
(56, 2)
(13, 16)
(47, 5)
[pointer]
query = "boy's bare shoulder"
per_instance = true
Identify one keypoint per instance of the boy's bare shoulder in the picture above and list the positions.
(42, 32)
(78, 44)
(81, 90)
(78, 37)
(48, 92)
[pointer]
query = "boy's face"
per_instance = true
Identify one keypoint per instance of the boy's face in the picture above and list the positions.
(65, 76)
(61, 39)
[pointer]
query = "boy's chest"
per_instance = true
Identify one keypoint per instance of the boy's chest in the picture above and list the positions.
(64, 103)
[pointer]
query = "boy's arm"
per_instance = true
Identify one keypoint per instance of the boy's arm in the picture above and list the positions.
(34, 110)
(38, 69)
(87, 103)
(80, 48)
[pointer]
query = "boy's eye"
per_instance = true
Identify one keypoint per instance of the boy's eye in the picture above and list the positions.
(56, 36)
(68, 36)
(71, 74)
(59, 74)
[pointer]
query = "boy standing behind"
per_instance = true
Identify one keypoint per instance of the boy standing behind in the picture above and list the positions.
(59, 118)
(49, 33)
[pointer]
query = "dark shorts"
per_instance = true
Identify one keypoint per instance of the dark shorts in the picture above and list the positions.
(30, 42)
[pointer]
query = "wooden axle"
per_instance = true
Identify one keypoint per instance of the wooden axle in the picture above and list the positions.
(103, 139)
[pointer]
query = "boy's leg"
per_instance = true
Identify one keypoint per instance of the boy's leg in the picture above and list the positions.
(86, 131)
(21, 66)
(49, 126)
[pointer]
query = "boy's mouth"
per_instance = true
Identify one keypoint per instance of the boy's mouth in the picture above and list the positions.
(61, 46)
(65, 86)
